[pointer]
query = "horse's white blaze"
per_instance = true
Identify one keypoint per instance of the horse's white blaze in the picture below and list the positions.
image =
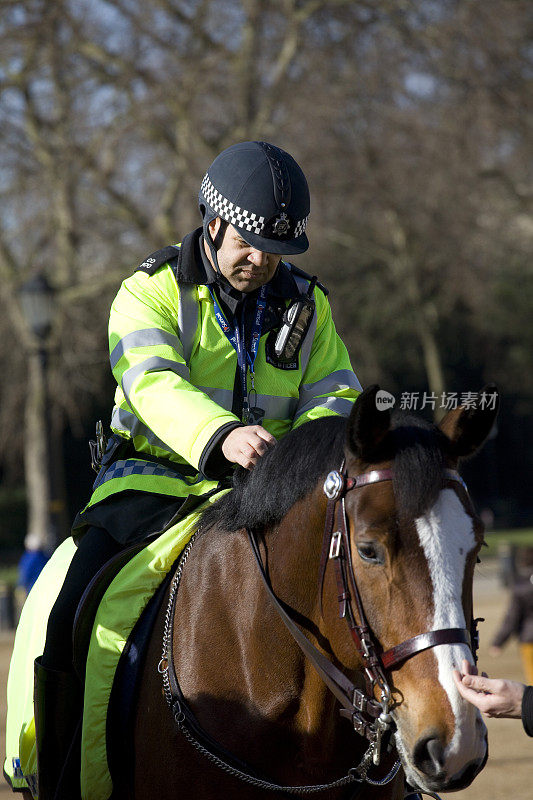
(447, 536)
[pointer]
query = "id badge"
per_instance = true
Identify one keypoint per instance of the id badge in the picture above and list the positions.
(254, 416)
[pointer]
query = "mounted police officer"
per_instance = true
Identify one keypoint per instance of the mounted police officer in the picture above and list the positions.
(218, 348)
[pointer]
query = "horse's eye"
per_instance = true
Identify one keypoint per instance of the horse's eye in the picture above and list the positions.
(369, 552)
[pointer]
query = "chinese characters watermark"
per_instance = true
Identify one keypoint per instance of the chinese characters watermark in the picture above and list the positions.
(418, 401)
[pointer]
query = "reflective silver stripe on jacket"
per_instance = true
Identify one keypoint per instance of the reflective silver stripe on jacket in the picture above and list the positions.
(301, 282)
(305, 352)
(307, 344)
(147, 337)
(126, 422)
(153, 364)
(334, 382)
(273, 406)
(339, 405)
(188, 311)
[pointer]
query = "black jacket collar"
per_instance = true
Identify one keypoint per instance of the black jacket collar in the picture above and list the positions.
(193, 266)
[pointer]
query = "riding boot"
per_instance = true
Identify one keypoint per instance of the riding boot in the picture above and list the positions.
(58, 714)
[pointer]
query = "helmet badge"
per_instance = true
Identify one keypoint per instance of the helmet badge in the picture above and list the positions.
(281, 224)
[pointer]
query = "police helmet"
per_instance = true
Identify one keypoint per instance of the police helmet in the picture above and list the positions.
(260, 190)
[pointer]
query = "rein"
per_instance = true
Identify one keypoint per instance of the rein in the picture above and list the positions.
(370, 717)
(206, 745)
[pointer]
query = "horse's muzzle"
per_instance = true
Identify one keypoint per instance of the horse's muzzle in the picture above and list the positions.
(428, 770)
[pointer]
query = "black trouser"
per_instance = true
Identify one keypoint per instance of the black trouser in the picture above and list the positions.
(94, 550)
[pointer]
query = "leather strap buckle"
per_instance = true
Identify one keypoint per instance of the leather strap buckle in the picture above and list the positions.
(335, 546)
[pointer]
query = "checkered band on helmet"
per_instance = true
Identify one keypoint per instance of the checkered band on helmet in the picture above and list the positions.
(240, 217)
(300, 227)
(233, 214)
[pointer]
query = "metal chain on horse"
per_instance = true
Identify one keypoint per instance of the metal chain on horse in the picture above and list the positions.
(274, 787)
(163, 666)
(176, 704)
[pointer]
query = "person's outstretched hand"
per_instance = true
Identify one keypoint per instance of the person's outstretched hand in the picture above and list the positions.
(496, 697)
(246, 445)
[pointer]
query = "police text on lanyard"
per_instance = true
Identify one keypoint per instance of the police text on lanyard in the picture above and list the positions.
(251, 415)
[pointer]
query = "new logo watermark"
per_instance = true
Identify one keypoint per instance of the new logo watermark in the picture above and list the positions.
(384, 400)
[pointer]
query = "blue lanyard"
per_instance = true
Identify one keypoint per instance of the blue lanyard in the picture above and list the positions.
(237, 338)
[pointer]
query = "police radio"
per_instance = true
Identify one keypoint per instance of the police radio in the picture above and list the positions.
(296, 321)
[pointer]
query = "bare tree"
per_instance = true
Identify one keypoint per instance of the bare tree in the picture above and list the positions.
(410, 119)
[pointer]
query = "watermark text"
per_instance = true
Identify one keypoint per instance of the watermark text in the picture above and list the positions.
(418, 401)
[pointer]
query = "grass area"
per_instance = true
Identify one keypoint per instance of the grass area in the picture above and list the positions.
(9, 575)
(520, 537)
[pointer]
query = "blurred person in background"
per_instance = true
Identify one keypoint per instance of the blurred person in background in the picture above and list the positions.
(31, 562)
(518, 620)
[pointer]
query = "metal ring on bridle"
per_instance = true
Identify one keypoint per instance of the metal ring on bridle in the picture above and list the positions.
(333, 485)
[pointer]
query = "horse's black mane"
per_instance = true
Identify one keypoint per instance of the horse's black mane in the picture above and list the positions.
(291, 470)
(285, 474)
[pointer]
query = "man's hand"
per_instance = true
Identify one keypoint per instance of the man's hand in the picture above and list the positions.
(246, 445)
(495, 697)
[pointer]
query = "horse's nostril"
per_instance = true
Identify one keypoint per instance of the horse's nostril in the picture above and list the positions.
(429, 757)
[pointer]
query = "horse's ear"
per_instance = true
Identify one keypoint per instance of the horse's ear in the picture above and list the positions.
(367, 425)
(467, 427)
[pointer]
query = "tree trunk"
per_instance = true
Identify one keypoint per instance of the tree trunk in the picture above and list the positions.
(36, 455)
(432, 362)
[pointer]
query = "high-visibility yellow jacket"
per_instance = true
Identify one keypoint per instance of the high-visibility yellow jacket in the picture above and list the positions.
(176, 372)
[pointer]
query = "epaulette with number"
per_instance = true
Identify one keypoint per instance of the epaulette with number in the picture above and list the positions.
(301, 274)
(155, 260)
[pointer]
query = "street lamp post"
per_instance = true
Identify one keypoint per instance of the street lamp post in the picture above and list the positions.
(37, 299)
(38, 303)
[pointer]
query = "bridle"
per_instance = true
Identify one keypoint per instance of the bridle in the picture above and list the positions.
(336, 547)
(370, 717)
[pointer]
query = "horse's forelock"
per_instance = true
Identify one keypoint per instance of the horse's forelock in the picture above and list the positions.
(418, 464)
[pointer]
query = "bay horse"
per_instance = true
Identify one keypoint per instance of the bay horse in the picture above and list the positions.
(392, 537)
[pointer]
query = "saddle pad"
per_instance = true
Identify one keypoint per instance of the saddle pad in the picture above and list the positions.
(121, 606)
(29, 644)
(123, 702)
(119, 610)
